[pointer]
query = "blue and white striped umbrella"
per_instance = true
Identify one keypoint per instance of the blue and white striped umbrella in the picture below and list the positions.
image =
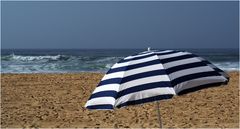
(154, 75)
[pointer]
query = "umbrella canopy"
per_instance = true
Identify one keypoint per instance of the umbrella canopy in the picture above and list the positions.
(154, 75)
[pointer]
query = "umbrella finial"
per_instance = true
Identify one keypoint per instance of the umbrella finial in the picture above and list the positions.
(149, 49)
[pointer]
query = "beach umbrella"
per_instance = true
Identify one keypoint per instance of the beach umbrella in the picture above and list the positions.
(152, 76)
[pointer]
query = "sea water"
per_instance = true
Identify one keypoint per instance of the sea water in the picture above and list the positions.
(93, 60)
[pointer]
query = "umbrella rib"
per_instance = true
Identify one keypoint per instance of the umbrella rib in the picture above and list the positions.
(166, 72)
(121, 81)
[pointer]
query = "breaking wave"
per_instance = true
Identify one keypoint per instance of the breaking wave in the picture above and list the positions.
(50, 61)
(34, 58)
(55, 63)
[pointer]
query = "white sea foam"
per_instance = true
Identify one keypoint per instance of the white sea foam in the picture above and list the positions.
(57, 62)
(34, 58)
(227, 66)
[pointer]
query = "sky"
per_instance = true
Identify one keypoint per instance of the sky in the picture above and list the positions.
(97, 25)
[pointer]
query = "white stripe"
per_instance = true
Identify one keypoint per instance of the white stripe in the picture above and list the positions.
(200, 58)
(117, 65)
(133, 62)
(100, 100)
(120, 65)
(145, 94)
(151, 58)
(184, 72)
(113, 75)
(180, 62)
(143, 69)
(165, 51)
(128, 57)
(145, 80)
(222, 73)
(107, 87)
(211, 65)
(139, 55)
(197, 82)
(133, 71)
(173, 55)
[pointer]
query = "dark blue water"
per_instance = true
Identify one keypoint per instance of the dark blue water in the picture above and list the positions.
(93, 60)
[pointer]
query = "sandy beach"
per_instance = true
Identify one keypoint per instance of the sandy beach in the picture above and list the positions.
(57, 100)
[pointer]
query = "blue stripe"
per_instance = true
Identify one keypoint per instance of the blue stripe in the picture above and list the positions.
(166, 53)
(217, 69)
(140, 65)
(184, 66)
(111, 93)
(194, 76)
(104, 106)
(177, 58)
(143, 75)
(110, 81)
(116, 70)
(135, 66)
(136, 58)
(146, 100)
(143, 87)
(200, 87)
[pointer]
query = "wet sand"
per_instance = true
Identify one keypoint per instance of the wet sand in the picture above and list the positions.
(57, 100)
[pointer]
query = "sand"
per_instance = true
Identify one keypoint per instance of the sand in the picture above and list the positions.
(57, 100)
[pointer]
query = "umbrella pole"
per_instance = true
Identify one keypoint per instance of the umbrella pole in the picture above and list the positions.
(159, 115)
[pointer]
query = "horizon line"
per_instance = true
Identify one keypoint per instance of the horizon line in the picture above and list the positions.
(111, 48)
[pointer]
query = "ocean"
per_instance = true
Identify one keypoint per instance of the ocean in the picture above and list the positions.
(93, 60)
